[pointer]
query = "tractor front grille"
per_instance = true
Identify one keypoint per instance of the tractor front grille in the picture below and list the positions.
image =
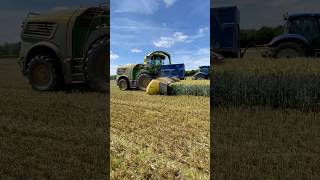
(39, 29)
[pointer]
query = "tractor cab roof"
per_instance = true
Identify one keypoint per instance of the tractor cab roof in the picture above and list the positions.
(292, 16)
(64, 15)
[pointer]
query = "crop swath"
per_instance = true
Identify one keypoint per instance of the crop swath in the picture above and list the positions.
(189, 87)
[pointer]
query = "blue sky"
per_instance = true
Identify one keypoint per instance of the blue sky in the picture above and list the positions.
(179, 27)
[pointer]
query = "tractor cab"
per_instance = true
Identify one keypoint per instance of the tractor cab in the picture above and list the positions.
(306, 25)
(204, 69)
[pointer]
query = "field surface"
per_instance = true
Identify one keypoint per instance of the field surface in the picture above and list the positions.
(266, 119)
(58, 135)
(159, 137)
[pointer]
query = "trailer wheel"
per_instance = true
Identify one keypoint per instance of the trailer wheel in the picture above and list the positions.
(44, 74)
(97, 65)
(289, 50)
(143, 81)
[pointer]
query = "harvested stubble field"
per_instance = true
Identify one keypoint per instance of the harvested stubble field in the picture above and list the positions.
(266, 122)
(58, 135)
(159, 137)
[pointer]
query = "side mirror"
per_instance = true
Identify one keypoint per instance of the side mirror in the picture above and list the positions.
(286, 16)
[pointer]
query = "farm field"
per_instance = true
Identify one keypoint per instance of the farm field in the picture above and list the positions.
(159, 137)
(266, 119)
(58, 135)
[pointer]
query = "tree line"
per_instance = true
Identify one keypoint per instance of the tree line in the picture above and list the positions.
(259, 36)
(8, 50)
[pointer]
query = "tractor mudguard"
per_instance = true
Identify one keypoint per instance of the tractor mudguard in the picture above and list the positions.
(288, 37)
(201, 73)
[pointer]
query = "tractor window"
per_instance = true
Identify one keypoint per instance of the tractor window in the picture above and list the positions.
(204, 69)
(305, 26)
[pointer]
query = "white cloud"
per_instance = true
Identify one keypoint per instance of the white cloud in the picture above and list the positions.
(167, 42)
(135, 50)
(113, 56)
(141, 6)
(193, 62)
(169, 2)
(113, 69)
(137, 6)
(203, 30)
(203, 51)
(194, 58)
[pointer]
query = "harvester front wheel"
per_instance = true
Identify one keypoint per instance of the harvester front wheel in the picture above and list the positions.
(97, 65)
(123, 84)
(43, 73)
(143, 81)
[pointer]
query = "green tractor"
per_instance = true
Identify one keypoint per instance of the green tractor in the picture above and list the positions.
(66, 47)
(156, 64)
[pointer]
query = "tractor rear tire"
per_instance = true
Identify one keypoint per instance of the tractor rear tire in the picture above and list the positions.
(199, 77)
(143, 81)
(97, 65)
(289, 50)
(123, 84)
(44, 74)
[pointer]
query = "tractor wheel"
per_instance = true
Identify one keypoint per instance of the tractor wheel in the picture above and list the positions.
(44, 74)
(97, 65)
(289, 50)
(143, 81)
(200, 77)
(123, 84)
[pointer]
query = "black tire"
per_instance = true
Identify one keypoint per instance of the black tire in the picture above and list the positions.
(123, 84)
(199, 77)
(44, 74)
(97, 65)
(289, 50)
(143, 81)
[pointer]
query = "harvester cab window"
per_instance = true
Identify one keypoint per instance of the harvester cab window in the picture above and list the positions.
(157, 60)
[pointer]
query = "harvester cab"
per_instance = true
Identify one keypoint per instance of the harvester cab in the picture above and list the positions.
(156, 59)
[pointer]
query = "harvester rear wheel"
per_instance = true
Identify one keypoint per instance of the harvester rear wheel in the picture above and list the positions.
(143, 81)
(98, 65)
